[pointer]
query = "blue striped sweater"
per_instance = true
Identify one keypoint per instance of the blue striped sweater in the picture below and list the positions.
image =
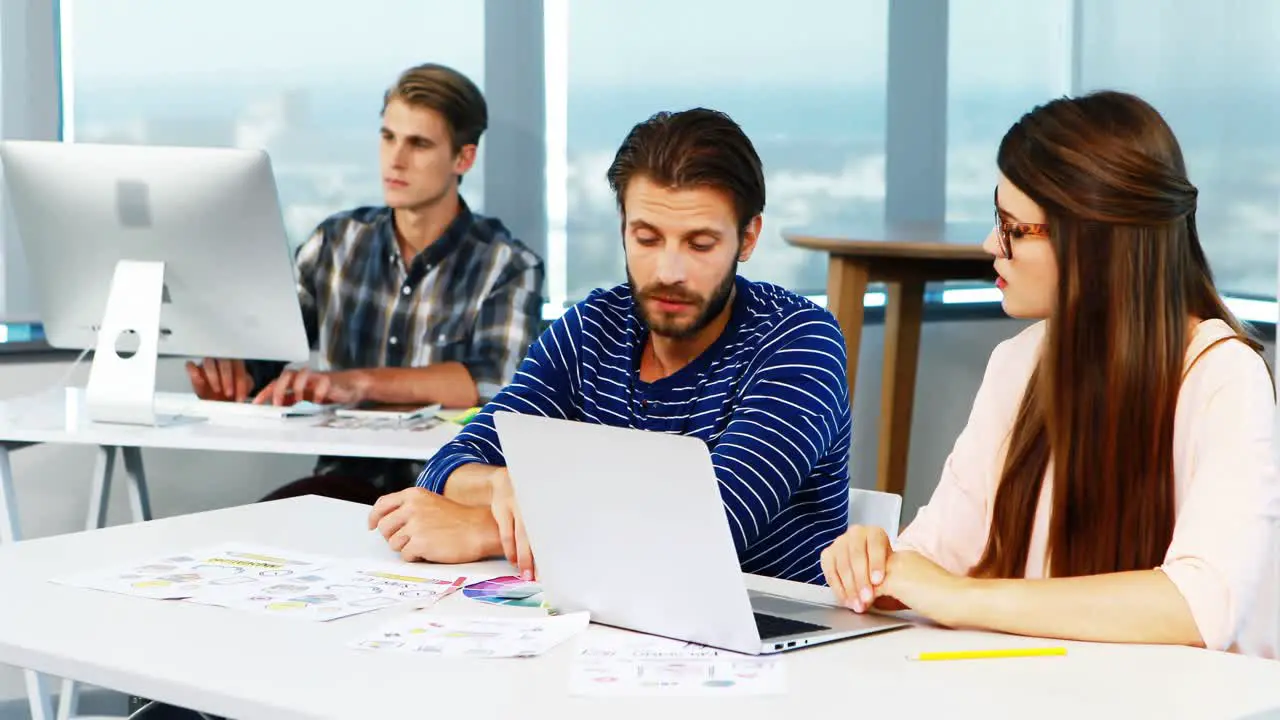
(769, 398)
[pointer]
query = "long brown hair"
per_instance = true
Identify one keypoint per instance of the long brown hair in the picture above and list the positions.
(1109, 175)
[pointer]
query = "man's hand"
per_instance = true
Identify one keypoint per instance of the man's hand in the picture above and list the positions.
(515, 543)
(421, 525)
(344, 387)
(220, 379)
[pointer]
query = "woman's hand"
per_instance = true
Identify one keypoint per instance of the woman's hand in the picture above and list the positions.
(930, 590)
(863, 571)
(855, 566)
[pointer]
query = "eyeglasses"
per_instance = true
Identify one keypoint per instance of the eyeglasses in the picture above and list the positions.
(1006, 232)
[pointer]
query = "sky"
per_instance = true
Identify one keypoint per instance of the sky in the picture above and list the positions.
(1001, 43)
(149, 39)
(611, 41)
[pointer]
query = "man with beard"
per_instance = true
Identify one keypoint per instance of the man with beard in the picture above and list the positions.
(685, 346)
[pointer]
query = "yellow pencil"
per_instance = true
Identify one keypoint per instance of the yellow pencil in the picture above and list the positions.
(987, 654)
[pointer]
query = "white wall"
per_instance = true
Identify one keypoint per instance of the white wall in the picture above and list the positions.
(953, 357)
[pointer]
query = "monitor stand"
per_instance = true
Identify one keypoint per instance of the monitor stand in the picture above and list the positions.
(122, 382)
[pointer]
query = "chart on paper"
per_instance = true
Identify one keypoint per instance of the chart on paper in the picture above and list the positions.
(426, 633)
(185, 574)
(622, 665)
(337, 591)
(276, 582)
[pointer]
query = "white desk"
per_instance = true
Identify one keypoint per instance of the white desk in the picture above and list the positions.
(46, 418)
(246, 666)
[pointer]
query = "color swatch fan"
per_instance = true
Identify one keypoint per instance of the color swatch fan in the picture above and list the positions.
(509, 590)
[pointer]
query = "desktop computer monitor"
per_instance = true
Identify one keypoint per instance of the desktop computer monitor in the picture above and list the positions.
(179, 251)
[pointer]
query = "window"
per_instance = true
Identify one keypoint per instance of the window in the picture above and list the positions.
(163, 72)
(807, 81)
(804, 79)
(1211, 70)
(988, 89)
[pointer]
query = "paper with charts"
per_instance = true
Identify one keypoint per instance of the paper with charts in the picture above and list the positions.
(339, 590)
(184, 574)
(635, 665)
(275, 582)
(477, 637)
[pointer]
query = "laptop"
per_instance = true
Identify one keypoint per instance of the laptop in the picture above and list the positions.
(629, 525)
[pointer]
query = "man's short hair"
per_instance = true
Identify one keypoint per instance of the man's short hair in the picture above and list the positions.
(691, 148)
(449, 93)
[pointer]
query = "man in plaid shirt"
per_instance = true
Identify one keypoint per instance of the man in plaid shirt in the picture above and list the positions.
(418, 302)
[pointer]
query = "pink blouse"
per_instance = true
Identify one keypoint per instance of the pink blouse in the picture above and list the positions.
(1225, 553)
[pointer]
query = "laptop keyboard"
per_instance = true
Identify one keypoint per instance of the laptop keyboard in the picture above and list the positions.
(772, 626)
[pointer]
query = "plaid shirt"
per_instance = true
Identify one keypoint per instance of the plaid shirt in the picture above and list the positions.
(473, 296)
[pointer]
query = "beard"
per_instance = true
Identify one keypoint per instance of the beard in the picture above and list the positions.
(706, 309)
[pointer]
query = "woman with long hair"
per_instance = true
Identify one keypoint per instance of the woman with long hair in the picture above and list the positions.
(1116, 480)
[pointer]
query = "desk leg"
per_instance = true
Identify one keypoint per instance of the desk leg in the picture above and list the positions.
(846, 295)
(38, 697)
(100, 493)
(9, 531)
(139, 497)
(904, 311)
(68, 700)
